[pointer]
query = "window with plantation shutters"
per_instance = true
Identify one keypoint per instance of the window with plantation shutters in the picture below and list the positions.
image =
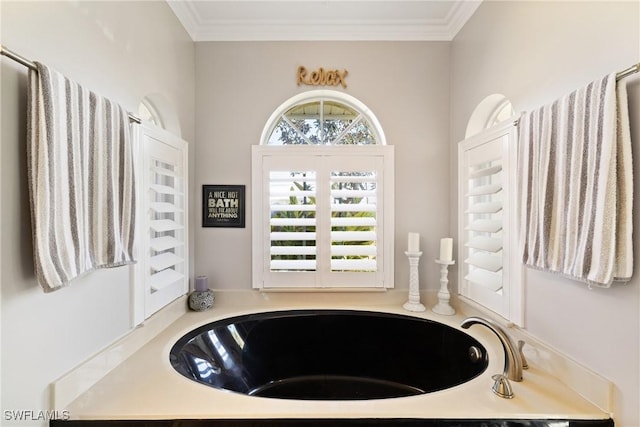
(322, 198)
(489, 273)
(320, 219)
(162, 270)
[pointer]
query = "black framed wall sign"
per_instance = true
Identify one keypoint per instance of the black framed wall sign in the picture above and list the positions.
(223, 206)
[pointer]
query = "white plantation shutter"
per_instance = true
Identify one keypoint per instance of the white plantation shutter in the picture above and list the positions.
(489, 273)
(354, 216)
(292, 207)
(319, 220)
(162, 271)
(484, 257)
(483, 220)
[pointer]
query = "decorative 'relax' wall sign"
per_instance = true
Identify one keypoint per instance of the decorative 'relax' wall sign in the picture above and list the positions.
(223, 206)
(322, 77)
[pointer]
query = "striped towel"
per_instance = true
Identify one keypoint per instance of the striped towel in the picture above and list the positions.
(576, 185)
(81, 180)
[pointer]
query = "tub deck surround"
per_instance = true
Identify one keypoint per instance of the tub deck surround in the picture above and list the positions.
(146, 387)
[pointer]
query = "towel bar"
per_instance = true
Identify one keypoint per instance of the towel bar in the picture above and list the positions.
(29, 64)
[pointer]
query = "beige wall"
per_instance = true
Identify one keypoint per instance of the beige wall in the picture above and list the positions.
(406, 85)
(534, 53)
(422, 93)
(122, 50)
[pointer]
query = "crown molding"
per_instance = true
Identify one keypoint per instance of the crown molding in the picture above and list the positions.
(460, 14)
(186, 15)
(445, 29)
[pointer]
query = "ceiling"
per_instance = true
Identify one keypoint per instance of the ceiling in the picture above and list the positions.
(246, 20)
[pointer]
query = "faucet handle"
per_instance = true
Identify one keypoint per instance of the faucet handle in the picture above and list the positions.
(502, 386)
(525, 364)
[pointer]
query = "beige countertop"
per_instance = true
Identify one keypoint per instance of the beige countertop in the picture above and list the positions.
(145, 386)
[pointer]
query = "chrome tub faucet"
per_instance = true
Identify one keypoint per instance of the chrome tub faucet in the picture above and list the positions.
(514, 361)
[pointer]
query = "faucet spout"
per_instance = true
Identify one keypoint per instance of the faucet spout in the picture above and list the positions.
(512, 360)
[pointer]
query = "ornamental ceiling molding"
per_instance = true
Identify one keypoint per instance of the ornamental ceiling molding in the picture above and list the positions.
(303, 29)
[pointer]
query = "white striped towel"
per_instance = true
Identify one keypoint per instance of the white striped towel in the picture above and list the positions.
(81, 180)
(576, 185)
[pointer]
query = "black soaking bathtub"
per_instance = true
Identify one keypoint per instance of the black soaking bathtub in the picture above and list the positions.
(328, 355)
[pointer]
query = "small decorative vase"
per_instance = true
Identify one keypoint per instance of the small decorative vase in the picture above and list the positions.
(201, 300)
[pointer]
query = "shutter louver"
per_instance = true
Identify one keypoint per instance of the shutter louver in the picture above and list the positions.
(165, 242)
(486, 225)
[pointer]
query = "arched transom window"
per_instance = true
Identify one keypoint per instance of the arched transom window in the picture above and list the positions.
(323, 118)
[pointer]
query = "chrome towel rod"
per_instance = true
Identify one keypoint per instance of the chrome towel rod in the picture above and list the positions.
(631, 70)
(22, 60)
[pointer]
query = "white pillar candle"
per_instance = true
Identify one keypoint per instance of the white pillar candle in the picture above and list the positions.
(446, 249)
(414, 242)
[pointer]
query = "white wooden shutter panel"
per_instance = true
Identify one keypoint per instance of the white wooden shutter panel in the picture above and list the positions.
(163, 266)
(165, 224)
(293, 222)
(354, 218)
(485, 244)
(490, 273)
(483, 223)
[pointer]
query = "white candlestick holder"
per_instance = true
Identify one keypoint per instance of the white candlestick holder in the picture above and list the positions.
(413, 304)
(443, 306)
